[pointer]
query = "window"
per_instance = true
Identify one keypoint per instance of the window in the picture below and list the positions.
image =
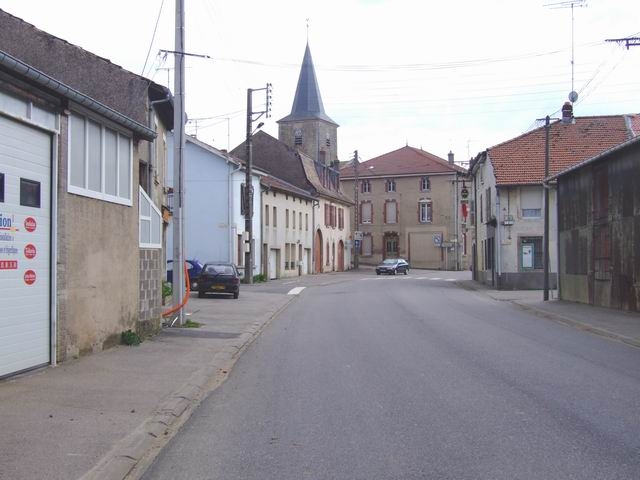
(266, 215)
(275, 217)
(332, 216)
(367, 245)
(293, 219)
(298, 137)
(1, 187)
(327, 262)
(29, 193)
(150, 221)
(341, 218)
(391, 185)
(531, 253)
(425, 212)
(365, 212)
(365, 186)
(300, 221)
(425, 184)
(286, 218)
(390, 211)
(287, 255)
(391, 246)
(100, 161)
(531, 202)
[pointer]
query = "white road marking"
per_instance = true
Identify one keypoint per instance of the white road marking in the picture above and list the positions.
(296, 291)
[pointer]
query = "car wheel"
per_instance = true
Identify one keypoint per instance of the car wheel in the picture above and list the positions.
(200, 294)
(406, 271)
(394, 272)
(377, 273)
(236, 295)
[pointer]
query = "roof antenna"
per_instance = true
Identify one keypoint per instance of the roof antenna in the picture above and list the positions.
(573, 95)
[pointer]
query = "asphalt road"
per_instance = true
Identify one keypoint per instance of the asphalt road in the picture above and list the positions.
(415, 378)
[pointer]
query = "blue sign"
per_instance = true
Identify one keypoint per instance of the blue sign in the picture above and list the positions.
(357, 243)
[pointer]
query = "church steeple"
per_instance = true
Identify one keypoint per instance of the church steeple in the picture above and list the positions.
(307, 104)
(308, 127)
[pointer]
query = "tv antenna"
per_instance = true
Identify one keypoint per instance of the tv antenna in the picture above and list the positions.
(573, 95)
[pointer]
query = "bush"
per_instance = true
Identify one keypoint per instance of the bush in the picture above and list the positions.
(167, 289)
(130, 338)
(259, 278)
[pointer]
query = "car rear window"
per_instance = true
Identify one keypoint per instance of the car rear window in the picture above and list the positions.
(220, 269)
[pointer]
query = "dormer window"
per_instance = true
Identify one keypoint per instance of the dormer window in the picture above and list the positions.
(297, 137)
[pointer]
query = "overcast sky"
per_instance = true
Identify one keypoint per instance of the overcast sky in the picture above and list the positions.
(439, 75)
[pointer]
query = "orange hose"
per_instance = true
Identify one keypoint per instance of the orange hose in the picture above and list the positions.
(185, 299)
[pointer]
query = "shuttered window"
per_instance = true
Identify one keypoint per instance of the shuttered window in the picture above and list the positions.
(531, 202)
(391, 212)
(365, 212)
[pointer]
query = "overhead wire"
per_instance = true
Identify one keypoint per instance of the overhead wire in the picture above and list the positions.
(153, 37)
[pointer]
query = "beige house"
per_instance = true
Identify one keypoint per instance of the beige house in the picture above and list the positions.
(411, 204)
(287, 229)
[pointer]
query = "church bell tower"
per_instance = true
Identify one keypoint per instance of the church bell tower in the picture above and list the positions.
(308, 128)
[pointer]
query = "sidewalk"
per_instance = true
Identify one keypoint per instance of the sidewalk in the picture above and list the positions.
(105, 415)
(614, 324)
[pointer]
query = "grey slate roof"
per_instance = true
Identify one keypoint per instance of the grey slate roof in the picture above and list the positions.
(281, 161)
(307, 104)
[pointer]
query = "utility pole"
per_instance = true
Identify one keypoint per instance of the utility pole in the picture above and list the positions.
(356, 247)
(545, 187)
(247, 198)
(178, 164)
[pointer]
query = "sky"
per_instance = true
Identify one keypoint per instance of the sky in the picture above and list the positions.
(457, 76)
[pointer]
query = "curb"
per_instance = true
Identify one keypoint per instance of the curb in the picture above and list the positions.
(133, 455)
(578, 324)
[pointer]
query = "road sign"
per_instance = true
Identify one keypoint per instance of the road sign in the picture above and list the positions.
(357, 235)
(357, 242)
(464, 193)
(437, 239)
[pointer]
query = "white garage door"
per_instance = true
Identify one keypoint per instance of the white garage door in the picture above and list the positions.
(25, 242)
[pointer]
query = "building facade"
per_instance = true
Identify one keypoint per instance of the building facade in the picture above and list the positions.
(508, 181)
(74, 197)
(412, 205)
(599, 236)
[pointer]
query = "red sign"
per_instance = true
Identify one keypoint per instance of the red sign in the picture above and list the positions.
(29, 277)
(30, 224)
(8, 264)
(30, 251)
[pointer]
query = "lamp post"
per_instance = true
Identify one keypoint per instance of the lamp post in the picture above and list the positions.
(247, 197)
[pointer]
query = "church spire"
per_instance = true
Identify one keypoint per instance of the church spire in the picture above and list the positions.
(307, 104)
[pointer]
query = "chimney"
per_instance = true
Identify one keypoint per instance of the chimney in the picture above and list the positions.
(567, 113)
(450, 157)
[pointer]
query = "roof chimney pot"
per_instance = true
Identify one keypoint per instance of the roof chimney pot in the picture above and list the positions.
(450, 157)
(567, 113)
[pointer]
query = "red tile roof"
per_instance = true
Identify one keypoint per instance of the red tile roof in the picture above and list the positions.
(520, 161)
(404, 161)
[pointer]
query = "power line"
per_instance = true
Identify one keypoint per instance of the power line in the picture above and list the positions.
(153, 37)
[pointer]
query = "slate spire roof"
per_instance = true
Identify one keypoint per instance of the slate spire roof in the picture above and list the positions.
(307, 104)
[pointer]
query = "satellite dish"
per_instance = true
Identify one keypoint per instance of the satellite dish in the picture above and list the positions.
(573, 96)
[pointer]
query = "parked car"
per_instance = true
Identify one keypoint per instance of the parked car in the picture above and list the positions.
(393, 266)
(194, 267)
(219, 277)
